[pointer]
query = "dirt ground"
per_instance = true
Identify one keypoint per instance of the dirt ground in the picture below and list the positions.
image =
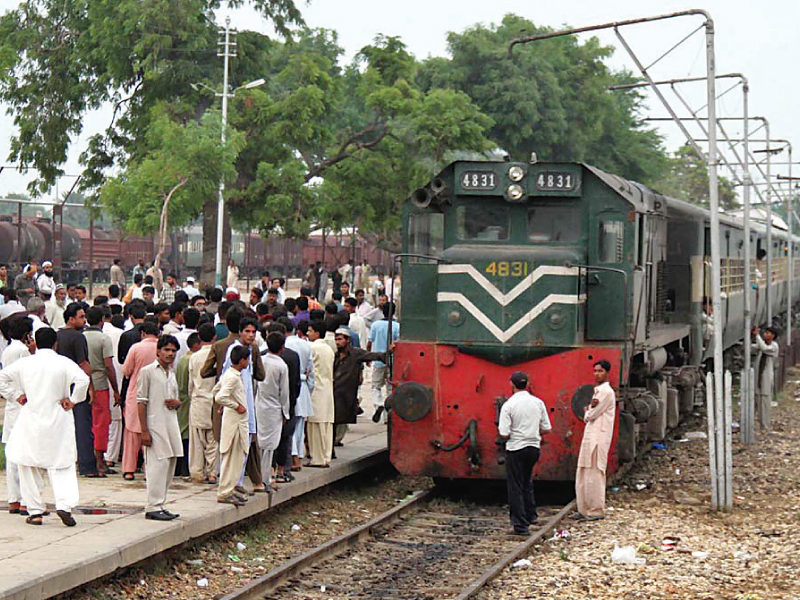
(751, 553)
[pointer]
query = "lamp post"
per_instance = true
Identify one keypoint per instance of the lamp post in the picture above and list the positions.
(225, 94)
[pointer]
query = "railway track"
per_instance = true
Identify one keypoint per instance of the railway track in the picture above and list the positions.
(423, 549)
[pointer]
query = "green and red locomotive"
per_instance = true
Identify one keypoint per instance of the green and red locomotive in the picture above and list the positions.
(546, 268)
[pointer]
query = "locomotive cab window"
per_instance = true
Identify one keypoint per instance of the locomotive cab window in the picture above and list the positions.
(554, 223)
(483, 222)
(611, 241)
(425, 235)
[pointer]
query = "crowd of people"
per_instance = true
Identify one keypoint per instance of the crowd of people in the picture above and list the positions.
(156, 377)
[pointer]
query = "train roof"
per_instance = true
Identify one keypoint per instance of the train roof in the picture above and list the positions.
(643, 197)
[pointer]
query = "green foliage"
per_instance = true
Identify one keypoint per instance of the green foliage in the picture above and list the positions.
(189, 152)
(687, 180)
(551, 97)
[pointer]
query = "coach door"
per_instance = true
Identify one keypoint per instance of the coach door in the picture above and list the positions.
(606, 314)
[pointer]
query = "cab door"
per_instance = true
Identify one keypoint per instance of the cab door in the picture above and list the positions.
(606, 302)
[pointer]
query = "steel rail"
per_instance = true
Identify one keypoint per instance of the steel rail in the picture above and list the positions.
(278, 576)
(271, 580)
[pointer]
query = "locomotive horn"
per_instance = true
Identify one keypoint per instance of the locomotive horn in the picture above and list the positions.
(438, 185)
(422, 197)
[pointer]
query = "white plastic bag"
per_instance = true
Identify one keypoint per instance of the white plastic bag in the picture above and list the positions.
(626, 556)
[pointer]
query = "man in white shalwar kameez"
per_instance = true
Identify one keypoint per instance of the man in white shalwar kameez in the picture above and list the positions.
(590, 480)
(43, 437)
(158, 403)
(272, 404)
(320, 424)
(766, 349)
(19, 332)
(303, 408)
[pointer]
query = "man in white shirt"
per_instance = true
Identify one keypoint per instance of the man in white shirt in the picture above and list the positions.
(54, 308)
(11, 305)
(21, 344)
(36, 311)
(523, 419)
(189, 288)
(43, 438)
(45, 281)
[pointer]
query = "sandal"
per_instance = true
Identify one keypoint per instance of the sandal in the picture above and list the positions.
(128, 476)
(211, 481)
(34, 520)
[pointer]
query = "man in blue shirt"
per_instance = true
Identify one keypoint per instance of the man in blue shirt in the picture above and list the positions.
(380, 339)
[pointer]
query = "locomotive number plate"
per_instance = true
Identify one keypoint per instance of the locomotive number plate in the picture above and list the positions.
(548, 181)
(478, 180)
(505, 268)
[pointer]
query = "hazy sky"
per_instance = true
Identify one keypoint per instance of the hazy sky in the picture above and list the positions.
(758, 39)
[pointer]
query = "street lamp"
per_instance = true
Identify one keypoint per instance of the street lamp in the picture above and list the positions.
(221, 200)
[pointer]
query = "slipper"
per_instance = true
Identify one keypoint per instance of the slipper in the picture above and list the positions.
(34, 520)
(284, 479)
(128, 476)
(109, 471)
(262, 490)
(295, 469)
(319, 466)
(211, 480)
(95, 475)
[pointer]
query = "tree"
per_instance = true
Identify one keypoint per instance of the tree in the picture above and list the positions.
(550, 97)
(171, 182)
(59, 60)
(334, 148)
(687, 180)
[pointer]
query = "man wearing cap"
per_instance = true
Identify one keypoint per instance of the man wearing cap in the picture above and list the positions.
(45, 281)
(25, 284)
(190, 289)
(54, 308)
(523, 419)
(347, 379)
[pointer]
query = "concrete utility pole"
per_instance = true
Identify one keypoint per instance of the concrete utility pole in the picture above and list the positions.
(226, 54)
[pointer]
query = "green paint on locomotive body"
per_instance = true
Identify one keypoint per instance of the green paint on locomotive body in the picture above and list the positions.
(513, 279)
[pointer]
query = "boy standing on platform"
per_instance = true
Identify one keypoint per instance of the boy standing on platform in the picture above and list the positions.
(157, 398)
(235, 434)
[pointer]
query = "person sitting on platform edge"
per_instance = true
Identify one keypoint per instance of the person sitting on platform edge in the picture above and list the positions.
(523, 418)
(590, 480)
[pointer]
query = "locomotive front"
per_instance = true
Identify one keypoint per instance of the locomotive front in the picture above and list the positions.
(498, 259)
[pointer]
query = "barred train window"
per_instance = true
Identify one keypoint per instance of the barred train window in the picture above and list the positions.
(482, 222)
(425, 235)
(554, 223)
(611, 241)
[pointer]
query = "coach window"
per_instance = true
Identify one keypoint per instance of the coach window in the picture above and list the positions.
(482, 222)
(554, 223)
(425, 235)
(611, 241)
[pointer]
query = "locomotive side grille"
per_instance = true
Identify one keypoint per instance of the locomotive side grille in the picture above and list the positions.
(661, 292)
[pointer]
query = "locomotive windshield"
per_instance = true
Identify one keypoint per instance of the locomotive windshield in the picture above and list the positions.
(483, 222)
(554, 223)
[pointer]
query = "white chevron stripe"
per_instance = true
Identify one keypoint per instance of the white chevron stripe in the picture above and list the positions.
(505, 299)
(504, 336)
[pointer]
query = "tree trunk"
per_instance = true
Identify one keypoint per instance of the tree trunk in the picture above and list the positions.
(207, 274)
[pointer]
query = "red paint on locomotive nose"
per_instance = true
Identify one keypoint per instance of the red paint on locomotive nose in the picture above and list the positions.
(457, 400)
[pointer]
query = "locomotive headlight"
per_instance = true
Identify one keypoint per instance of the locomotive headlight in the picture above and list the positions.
(515, 192)
(516, 173)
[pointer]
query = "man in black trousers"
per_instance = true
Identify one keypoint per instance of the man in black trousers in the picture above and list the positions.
(523, 419)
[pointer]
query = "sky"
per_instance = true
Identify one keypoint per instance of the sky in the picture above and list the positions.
(757, 39)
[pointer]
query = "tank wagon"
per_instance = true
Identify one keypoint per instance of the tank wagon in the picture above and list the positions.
(546, 268)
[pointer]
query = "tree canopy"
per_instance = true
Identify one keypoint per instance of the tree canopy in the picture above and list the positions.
(322, 143)
(687, 179)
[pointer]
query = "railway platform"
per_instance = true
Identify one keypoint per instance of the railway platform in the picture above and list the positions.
(112, 533)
